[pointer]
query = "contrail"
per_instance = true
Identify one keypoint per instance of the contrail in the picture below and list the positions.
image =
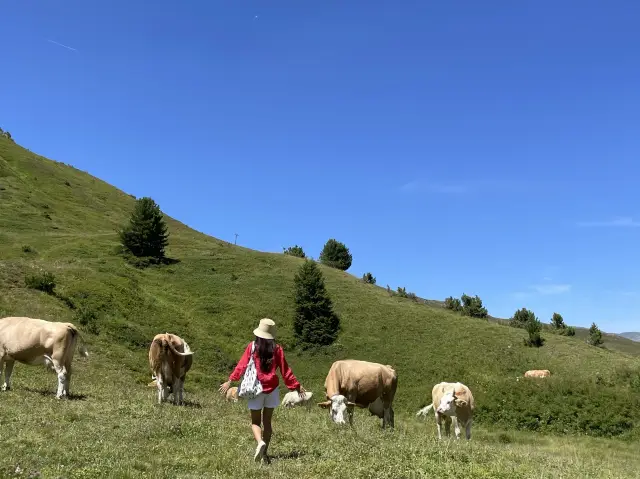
(64, 46)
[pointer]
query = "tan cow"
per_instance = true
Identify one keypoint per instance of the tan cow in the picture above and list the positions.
(232, 394)
(537, 373)
(36, 341)
(451, 400)
(351, 382)
(170, 359)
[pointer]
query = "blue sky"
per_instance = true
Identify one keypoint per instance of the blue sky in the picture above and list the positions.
(463, 146)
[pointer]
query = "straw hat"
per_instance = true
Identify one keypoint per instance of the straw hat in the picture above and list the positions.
(266, 329)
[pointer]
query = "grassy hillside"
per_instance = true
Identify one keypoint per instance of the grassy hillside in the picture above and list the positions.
(55, 218)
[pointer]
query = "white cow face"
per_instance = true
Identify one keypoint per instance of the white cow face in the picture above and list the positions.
(338, 408)
(447, 404)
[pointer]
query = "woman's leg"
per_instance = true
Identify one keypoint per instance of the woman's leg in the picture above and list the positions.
(256, 420)
(267, 414)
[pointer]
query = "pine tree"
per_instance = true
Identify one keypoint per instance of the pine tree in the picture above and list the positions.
(595, 336)
(336, 255)
(557, 321)
(315, 322)
(146, 234)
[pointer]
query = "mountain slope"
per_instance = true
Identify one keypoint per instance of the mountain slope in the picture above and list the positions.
(56, 218)
(632, 336)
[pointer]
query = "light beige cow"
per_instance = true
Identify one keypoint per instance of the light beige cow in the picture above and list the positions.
(537, 373)
(37, 341)
(352, 382)
(232, 394)
(451, 400)
(170, 359)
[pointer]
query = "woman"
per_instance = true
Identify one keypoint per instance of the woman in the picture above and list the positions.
(268, 356)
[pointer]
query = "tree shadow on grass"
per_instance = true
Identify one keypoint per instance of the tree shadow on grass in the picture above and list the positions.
(48, 392)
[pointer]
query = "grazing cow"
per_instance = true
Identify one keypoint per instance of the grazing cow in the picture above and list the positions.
(232, 394)
(36, 341)
(170, 359)
(351, 382)
(537, 373)
(451, 400)
(292, 398)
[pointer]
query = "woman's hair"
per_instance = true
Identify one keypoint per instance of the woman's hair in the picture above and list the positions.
(265, 349)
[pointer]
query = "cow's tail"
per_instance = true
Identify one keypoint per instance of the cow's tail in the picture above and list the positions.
(187, 351)
(425, 410)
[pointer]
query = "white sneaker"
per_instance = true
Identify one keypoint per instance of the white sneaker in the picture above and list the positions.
(259, 451)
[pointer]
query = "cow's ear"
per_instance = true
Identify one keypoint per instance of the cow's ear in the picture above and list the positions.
(351, 404)
(461, 402)
(325, 404)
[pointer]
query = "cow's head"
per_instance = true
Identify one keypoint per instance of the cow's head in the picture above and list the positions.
(338, 405)
(449, 403)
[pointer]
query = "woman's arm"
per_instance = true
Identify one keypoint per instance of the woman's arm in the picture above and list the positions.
(242, 364)
(287, 375)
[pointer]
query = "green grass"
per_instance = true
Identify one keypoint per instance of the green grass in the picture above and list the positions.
(54, 218)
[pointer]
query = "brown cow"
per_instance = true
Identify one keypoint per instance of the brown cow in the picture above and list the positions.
(451, 400)
(537, 373)
(170, 359)
(351, 382)
(232, 394)
(36, 341)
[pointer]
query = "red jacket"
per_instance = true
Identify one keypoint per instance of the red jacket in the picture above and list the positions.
(268, 380)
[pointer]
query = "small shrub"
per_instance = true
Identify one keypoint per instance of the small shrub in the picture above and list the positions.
(557, 321)
(454, 304)
(521, 318)
(87, 318)
(390, 292)
(67, 183)
(234, 277)
(595, 336)
(472, 306)
(28, 249)
(44, 281)
(336, 255)
(533, 327)
(412, 296)
(46, 215)
(369, 278)
(569, 331)
(296, 251)
(402, 292)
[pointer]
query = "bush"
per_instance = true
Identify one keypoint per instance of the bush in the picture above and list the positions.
(336, 255)
(412, 296)
(402, 292)
(390, 292)
(595, 336)
(454, 304)
(87, 318)
(296, 251)
(472, 306)
(146, 234)
(28, 249)
(557, 321)
(533, 327)
(568, 331)
(521, 318)
(44, 281)
(369, 278)
(315, 322)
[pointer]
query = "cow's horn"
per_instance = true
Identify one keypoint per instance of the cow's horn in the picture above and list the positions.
(324, 404)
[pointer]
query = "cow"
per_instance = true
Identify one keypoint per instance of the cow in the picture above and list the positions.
(232, 394)
(292, 399)
(451, 400)
(170, 359)
(352, 382)
(35, 341)
(537, 373)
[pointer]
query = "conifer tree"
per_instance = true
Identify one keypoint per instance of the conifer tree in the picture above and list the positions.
(146, 234)
(315, 322)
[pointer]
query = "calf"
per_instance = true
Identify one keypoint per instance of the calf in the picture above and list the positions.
(170, 359)
(451, 400)
(537, 373)
(36, 341)
(232, 394)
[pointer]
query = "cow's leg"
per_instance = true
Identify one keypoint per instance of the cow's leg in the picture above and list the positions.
(387, 417)
(1, 369)
(160, 386)
(67, 381)
(177, 391)
(468, 428)
(439, 424)
(447, 426)
(456, 425)
(7, 374)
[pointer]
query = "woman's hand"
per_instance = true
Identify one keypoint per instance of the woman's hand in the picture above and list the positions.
(302, 393)
(224, 387)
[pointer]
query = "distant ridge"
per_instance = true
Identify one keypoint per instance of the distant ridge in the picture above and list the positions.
(631, 336)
